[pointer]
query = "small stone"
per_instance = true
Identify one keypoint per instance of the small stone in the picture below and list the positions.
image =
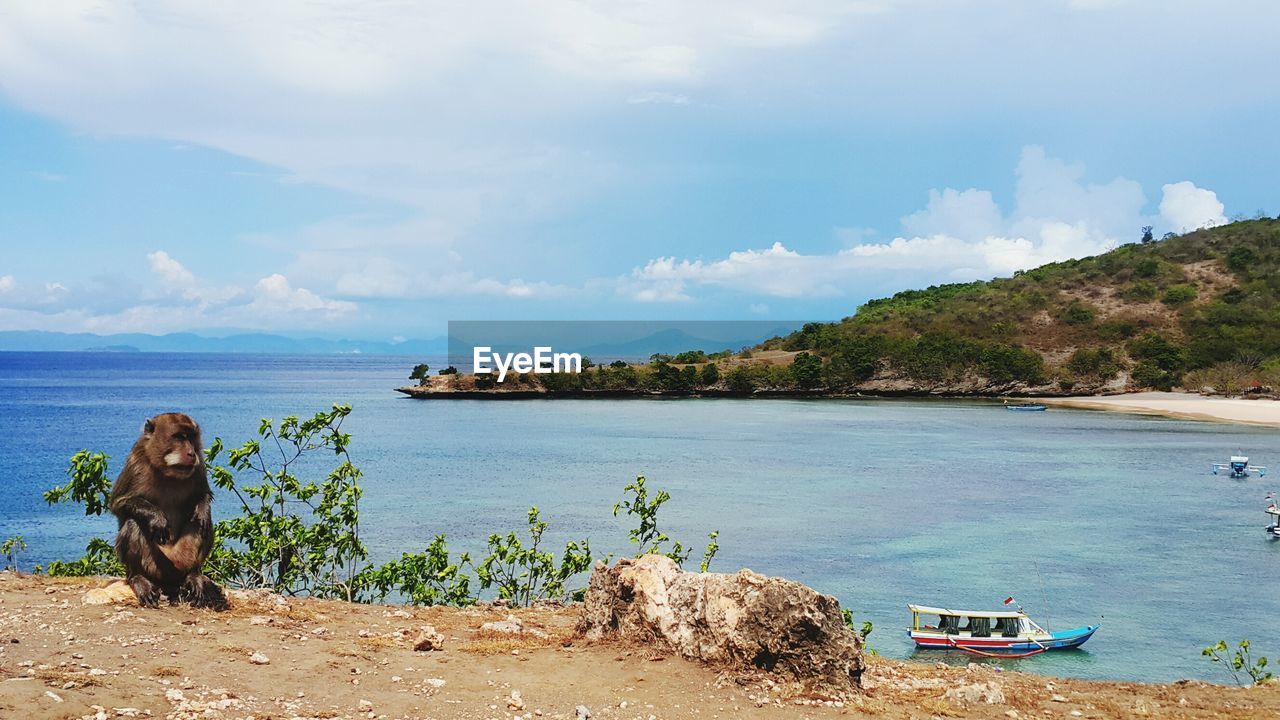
(1076, 713)
(428, 639)
(260, 620)
(582, 712)
(53, 696)
(259, 659)
(366, 705)
(1012, 714)
(1058, 698)
(515, 703)
(401, 614)
(435, 682)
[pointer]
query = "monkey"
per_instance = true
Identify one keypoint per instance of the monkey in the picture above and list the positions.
(163, 504)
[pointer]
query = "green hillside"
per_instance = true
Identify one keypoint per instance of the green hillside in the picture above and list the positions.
(1200, 310)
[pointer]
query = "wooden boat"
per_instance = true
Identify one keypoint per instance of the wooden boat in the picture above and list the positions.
(1027, 407)
(1239, 467)
(1273, 530)
(997, 633)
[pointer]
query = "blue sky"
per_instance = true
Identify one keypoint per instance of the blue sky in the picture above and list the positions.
(376, 169)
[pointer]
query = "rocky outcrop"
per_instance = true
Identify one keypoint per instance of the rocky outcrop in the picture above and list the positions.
(746, 620)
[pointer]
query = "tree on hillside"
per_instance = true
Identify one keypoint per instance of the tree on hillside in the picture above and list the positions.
(1146, 234)
(807, 370)
(419, 373)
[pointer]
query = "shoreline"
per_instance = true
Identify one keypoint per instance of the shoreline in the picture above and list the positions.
(1180, 406)
(1259, 412)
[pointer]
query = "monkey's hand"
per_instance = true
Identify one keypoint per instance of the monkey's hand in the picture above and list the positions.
(202, 516)
(159, 528)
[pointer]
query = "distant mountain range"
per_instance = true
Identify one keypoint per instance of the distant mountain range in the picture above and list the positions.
(36, 340)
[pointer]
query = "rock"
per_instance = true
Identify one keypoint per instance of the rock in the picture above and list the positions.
(744, 619)
(989, 693)
(582, 712)
(428, 639)
(259, 659)
(117, 593)
(53, 696)
(1058, 698)
(514, 626)
(515, 703)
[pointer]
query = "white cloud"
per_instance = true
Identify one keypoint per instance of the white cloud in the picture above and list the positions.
(273, 294)
(1186, 207)
(171, 272)
(958, 236)
(187, 303)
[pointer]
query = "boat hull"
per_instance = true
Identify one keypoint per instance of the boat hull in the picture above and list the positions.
(1053, 641)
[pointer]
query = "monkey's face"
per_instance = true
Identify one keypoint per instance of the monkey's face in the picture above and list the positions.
(173, 445)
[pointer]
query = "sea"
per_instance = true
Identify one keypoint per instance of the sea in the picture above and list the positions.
(1082, 516)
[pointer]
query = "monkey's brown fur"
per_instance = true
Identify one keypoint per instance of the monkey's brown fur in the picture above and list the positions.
(162, 501)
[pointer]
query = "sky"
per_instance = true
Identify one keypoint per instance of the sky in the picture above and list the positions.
(375, 169)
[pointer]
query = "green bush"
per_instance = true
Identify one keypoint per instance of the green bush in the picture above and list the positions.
(806, 370)
(1078, 313)
(1099, 363)
(1179, 295)
(525, 573)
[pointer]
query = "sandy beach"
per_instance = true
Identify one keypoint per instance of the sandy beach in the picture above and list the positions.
(1181, 405)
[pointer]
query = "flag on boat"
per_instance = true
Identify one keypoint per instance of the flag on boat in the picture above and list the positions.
(1008, 600)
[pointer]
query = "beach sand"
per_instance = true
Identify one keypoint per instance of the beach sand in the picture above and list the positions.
(1181, 405)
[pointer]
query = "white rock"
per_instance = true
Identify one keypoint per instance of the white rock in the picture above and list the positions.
(53, 695)
(582, 712)
(259, 659)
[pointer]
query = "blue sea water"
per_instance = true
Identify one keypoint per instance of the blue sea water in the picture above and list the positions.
(1083, 516)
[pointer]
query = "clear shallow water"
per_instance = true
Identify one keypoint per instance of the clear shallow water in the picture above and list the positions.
(1083, 516)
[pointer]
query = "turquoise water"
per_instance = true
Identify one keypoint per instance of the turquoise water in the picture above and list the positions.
(1083, 516)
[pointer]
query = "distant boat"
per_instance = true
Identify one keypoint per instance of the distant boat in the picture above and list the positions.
(1026, 407)
(1273, 530)
(1238, 467)
(997, 633)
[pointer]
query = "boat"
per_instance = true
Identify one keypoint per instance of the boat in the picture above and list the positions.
(991, 633)
(1027, 407)
(1273, 530)
(1238, 467)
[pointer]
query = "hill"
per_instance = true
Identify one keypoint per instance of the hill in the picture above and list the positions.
(1200, 311)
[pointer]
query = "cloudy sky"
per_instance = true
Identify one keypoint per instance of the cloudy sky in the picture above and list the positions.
(375, 169)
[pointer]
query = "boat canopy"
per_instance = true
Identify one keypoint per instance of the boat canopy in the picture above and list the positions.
(926, 610)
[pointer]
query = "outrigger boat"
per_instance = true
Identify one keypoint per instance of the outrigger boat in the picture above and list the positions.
(1025, 407)
(999, 633)
(1239, 467)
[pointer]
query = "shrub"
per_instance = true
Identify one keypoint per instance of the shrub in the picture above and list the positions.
(1078, 314)
(1100, 363)
(1240, 660)
(710, 374)
(1179, 295)
(523, 573)
(806, 370)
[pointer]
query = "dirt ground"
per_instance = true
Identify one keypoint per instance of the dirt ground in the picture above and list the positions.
(272, 657)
